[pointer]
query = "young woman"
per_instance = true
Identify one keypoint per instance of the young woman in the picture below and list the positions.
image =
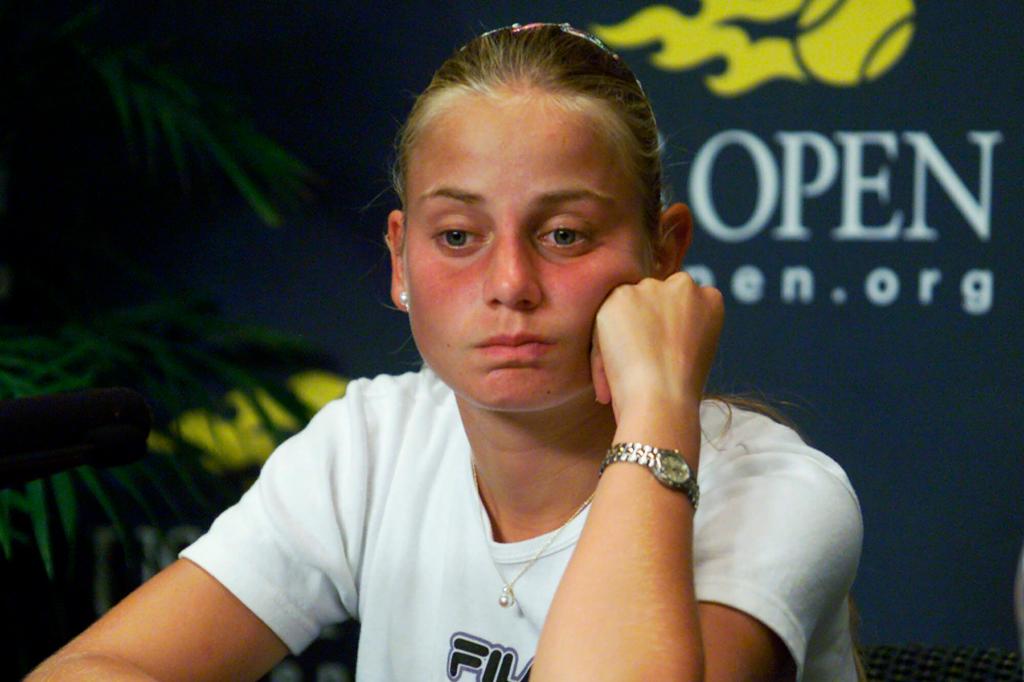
(549, 496)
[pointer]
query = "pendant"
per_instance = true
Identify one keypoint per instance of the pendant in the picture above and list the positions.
(507, 598)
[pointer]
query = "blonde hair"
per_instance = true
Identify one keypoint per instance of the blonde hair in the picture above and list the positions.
(575, 68)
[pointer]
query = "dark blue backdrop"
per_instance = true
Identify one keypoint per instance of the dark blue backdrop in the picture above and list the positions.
(911, 381)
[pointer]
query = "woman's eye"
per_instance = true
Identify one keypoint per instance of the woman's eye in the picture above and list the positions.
(455, 238)
(563, 236)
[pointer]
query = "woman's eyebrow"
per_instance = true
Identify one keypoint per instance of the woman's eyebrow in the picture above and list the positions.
(567, 195)
(464, 196)
(544, 199)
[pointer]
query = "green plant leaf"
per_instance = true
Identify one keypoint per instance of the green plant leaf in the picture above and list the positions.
(92, 482)
(273, 155)
(154, 96)
(76, 24)
(280, 344)
(284, 174)
(186, 388)
(35, 493)
(241, 380)
(172, 135)
(67, 504)
(156, 480)
(133, 490)
(174, 87)
(257, 200)
(17, 500)
(14, 387)
(6, 530)
(186, 469)
(147, 120)
(111, 72)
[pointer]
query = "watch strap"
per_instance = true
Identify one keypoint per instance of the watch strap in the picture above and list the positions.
(667, 466)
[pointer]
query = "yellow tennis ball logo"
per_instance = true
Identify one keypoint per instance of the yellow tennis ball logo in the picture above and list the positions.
(840, 43)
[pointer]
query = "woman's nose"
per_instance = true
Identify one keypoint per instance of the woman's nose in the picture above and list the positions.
(512, 274)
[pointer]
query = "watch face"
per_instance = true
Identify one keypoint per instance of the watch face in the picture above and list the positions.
(674, 470)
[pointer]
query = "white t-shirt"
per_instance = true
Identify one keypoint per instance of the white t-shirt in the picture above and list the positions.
(371, 513)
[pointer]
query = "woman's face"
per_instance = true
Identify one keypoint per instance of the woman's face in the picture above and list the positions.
(519, 221)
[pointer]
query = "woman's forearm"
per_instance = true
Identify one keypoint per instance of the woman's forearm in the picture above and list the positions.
(626, 609)
(87, 667)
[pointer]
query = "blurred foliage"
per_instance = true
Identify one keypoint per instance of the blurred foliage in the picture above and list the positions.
(100, 141)
(242, 442)
(71, 91)
(178, 353)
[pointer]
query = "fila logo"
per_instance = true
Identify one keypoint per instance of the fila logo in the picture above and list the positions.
(484, 661)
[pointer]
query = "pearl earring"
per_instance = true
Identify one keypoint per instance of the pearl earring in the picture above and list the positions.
(403, 298)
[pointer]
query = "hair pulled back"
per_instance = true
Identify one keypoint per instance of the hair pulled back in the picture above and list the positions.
(560, 61)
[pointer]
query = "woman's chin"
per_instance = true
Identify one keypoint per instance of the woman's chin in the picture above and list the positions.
(520, 390)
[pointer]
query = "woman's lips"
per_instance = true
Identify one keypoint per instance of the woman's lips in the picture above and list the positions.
(515, 347)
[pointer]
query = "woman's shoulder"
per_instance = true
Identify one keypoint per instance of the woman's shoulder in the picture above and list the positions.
(387, 398)
(422, 385)
(375, 414)
(778, 533)
(384, 416)
(355, 443)
(739, 442)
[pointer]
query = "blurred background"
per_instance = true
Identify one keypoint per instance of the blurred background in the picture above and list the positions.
(192, 198)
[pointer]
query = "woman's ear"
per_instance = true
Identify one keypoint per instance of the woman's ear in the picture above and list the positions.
(395, 239)
(675, 233)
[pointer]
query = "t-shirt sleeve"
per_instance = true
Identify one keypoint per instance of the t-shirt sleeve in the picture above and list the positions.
(778, 533)
(290, 548)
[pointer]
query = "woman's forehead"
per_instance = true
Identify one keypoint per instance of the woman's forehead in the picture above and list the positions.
(482, 142)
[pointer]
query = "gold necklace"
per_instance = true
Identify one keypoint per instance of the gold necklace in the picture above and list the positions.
(508, 596)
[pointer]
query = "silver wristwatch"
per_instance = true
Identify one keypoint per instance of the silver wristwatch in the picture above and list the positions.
(668, 466)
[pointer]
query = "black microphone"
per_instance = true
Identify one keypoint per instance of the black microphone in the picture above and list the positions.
(46, 434)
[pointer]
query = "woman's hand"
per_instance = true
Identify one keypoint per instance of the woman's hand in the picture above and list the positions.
(633, 565)
(654, 342)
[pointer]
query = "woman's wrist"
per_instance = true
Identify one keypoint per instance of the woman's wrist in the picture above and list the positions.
(673, 425)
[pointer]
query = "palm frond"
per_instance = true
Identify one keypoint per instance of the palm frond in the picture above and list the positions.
(67, 505)
(6, 529)
(89, 477)
(155, 103)
(181, 354)
(35, 497)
